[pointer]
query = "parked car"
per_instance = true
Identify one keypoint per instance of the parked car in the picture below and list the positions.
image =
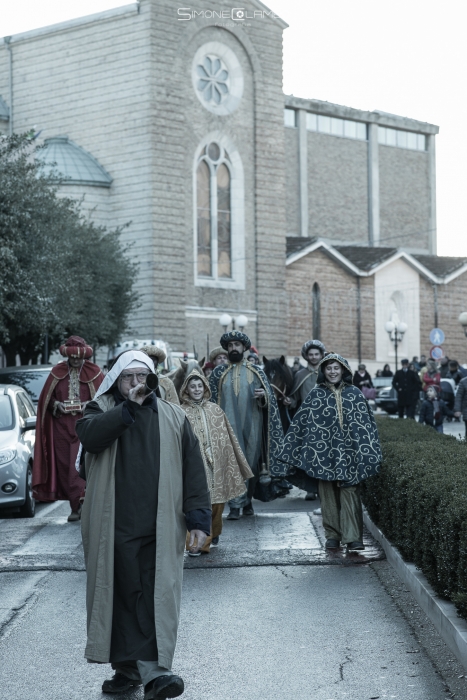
(17, 438)
(29, 377)
(386, 395)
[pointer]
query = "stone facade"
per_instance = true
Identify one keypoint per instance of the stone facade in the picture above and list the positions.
(125, 86)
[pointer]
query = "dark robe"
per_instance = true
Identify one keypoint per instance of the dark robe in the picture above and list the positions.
(136, 496)
(333, 437)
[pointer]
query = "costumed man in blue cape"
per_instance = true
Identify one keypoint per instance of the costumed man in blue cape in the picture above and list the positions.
(333, 437)
(243, 392)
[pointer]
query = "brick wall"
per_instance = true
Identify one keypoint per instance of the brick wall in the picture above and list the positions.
(338, 293)
(452, 300)
(404, 198)
(292, 182)
(338, 188)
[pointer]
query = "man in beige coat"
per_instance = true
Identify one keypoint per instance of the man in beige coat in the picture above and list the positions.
(146, 486)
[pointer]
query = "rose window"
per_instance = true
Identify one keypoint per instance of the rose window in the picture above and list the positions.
(213, 82)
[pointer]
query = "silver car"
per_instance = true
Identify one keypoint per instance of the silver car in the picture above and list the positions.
(17, 438)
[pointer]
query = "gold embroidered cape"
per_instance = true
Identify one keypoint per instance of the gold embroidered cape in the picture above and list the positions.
(225, 464)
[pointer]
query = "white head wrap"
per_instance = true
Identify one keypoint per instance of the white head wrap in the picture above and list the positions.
(131, 358)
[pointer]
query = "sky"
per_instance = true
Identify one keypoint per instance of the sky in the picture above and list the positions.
(407, 57)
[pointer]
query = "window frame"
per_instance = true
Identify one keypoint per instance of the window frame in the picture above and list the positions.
(237, 214)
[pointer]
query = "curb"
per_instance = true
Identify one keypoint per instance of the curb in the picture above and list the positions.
(442, 613)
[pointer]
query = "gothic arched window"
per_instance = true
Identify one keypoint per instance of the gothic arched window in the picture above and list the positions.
(214, 216)
(316, 306)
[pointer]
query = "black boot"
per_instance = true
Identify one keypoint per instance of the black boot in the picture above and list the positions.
(248, 510)
(162, 687)
(355, 546)
(119, 684)
(234, 514)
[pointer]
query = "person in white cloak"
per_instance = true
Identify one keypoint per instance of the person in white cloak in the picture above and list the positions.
(146, 486)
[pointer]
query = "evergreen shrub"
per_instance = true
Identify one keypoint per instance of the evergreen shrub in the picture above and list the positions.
(419, 501)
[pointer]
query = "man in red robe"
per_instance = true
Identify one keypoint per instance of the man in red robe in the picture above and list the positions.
(70, 385)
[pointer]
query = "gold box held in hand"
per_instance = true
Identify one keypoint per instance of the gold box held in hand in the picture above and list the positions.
(71, 406)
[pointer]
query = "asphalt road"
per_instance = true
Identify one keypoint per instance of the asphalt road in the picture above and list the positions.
(317, 627)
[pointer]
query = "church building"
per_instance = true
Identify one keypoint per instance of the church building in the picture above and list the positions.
(308, 218)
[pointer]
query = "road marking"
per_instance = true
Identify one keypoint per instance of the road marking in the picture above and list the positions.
(44, 512)
(57, 537)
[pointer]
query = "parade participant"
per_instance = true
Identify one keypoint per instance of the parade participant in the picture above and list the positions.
(69, 386)
(166, 387)
(218, 356)
(225, 464)
(253, 358)
(334, 438)
(146, 486)
(407, 384)
(243, 391)
(207, 369)
(304, 381)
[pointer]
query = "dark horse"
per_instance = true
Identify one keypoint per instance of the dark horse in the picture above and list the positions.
(280, 377)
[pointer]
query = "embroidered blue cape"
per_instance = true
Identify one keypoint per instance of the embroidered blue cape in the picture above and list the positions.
(317, 444)
(244, 424)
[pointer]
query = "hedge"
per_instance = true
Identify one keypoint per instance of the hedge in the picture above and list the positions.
(419, 501)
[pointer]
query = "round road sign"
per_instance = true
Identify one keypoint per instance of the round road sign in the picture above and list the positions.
(436, 352)
(437, 336)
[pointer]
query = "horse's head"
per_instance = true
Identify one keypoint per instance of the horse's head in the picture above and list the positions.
(279, 374)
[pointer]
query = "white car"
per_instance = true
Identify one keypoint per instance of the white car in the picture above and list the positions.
(17, 438)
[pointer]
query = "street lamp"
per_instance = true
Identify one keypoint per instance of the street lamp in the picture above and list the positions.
(463, 321)
(226, 319)
(396, 333)
(241, 321)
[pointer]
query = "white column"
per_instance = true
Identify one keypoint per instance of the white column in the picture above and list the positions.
(432, 176)
(303, 171)
(373, 186)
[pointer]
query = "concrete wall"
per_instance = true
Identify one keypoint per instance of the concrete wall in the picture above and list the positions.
(338, 307)
(404, 198)
(338, 188)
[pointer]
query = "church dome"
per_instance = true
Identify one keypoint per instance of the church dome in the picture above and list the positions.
(75, 165)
